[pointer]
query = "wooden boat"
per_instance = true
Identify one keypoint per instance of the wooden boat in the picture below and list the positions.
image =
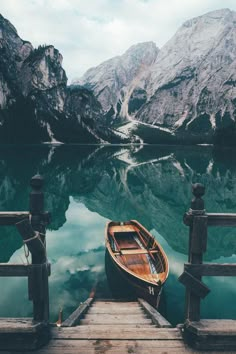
(137, 258)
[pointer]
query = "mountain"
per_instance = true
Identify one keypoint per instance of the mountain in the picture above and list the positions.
(114, 80)
(36, 105)
(184, 92)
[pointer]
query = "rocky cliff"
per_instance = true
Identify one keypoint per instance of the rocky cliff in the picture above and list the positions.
(183, 93)
(114, 81)
(35, 103)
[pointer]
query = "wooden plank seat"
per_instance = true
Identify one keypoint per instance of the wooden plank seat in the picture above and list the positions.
(136, 251)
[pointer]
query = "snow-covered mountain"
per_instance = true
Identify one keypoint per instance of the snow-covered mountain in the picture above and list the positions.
(114, 80)
(186, 90)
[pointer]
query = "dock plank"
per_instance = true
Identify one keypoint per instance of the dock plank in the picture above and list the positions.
(112, 345)
(116, 332)
(117, 316)
(104, 310)
(101, 321)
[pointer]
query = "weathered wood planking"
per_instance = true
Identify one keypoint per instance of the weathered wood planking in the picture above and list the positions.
(14, 270)
(211, 335)
(115, 332)
(221, 219)
(213, 327)
(103, 310)
(11, 217)
(20, 270)
(115, 303)
(155, 316)
(194, 285)
(115, 347)
(19, 325)
(100, 320)
(116, 316)
(74, 318)
(211, 269)
(22, 334)
(214, 219)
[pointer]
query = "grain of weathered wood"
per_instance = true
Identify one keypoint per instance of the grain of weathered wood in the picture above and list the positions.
(155, 316)
(116, 303)
(211, 269)
(214, 219)
(20, 325)
(213, 327)
(108, 346)
(115, 332)
(116, 316)
(194, 285)
(74, 318)
(104, 310)
(22, 334)
(199, 235)
(122, 307)
(110, 320)
(18, 270)
(12, 217)
(211, 334)
(221, 219)
(13, 270)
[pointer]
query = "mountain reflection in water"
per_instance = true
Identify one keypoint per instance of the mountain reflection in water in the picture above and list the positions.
(87, 185)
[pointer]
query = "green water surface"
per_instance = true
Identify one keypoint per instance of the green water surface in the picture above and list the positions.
(87, 185)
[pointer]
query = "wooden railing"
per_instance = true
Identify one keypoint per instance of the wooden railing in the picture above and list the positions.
(198, 221)
(32, 228)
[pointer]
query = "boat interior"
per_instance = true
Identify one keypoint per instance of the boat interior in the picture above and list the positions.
(137, 251)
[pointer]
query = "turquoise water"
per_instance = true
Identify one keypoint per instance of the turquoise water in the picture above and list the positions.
(87, 185)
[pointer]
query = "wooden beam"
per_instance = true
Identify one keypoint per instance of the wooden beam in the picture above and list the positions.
(14, 270)
(20, 270)
(12, 217)
(211, 269)
(75, 317)
(214, 219)
(155, 316)
(194, 285)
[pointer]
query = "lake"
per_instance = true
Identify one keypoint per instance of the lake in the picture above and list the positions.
(85, 186)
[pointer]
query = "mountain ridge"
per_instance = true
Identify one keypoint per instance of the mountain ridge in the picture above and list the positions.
(188, 90)
(183, 93)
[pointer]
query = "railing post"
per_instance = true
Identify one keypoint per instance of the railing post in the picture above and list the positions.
(197, 245)
(38, 280)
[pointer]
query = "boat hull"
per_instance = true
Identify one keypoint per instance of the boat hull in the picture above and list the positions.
(124, 285)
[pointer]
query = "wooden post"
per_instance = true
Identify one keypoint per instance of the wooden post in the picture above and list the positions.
(38, 279)
(197, 245)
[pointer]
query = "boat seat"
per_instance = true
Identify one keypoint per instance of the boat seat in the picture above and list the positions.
(136, 251)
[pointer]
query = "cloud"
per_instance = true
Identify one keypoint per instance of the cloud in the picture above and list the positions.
(89, 32)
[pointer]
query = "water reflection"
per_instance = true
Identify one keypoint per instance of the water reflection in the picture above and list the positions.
(86, 186)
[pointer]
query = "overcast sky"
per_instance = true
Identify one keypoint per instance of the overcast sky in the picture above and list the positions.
(88, 32)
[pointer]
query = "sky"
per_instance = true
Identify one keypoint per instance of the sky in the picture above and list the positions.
(88, 32)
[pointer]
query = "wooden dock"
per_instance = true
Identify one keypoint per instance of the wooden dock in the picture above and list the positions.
(116, 327)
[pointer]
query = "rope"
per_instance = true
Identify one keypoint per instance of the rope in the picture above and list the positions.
(33, 238)
(26, 251)
(37, 236)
